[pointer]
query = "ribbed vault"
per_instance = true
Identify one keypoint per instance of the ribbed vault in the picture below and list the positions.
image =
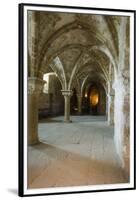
(85, 52)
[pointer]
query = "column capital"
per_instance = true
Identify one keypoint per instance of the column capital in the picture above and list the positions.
(35, 85)
(67, 92)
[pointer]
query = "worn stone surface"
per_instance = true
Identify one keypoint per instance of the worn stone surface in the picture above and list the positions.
(74, 154)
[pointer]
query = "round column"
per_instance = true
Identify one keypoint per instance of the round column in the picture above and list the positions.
(35, 87)
(67, 94)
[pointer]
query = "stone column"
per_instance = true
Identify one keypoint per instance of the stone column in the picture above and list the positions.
(111, 109)
(107, 99)
(35, 87)
(126, 136)
(79, 97)
(67, 94)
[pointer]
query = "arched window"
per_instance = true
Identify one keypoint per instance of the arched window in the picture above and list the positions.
(46, 77)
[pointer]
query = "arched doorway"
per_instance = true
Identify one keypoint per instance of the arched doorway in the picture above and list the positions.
(94, 99)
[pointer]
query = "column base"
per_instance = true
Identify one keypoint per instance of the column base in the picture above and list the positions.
(67, 121)
(33, 142)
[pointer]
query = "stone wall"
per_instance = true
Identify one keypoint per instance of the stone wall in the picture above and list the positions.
(52, 103)
(102, 102)
(122, 125)
(122, 99)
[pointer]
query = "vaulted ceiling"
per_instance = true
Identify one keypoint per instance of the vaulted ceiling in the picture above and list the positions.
(78, 47)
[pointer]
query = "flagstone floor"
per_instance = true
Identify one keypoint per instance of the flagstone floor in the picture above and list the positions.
(74, 154)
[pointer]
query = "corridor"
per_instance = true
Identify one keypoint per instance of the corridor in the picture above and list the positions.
(78, 72)
(74, 154)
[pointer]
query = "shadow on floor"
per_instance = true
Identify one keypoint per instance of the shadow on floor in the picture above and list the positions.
(50, 120)
(71, 169)
(74, 118)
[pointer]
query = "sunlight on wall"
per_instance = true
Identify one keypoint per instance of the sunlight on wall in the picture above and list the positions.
(46, 85)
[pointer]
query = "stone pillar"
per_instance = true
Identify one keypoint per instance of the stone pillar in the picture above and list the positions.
(122, 124)
(107, 99)
(35, 86)
(67, 94)
(126, 137)
(111, 109)
(79, 97)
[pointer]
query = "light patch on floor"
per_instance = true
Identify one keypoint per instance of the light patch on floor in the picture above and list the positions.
(74, 154)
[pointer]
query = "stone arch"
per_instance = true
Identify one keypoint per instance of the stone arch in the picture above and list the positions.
(84, 49)
(92, 62)
(108, 53)
(74, 25)
(100, 107)
(113, 32)
(89, 77)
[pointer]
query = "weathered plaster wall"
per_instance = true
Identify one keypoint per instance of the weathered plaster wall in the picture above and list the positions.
(122, 124)
(122, 100)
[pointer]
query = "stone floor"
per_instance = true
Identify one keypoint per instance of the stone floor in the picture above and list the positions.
(74, 154)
